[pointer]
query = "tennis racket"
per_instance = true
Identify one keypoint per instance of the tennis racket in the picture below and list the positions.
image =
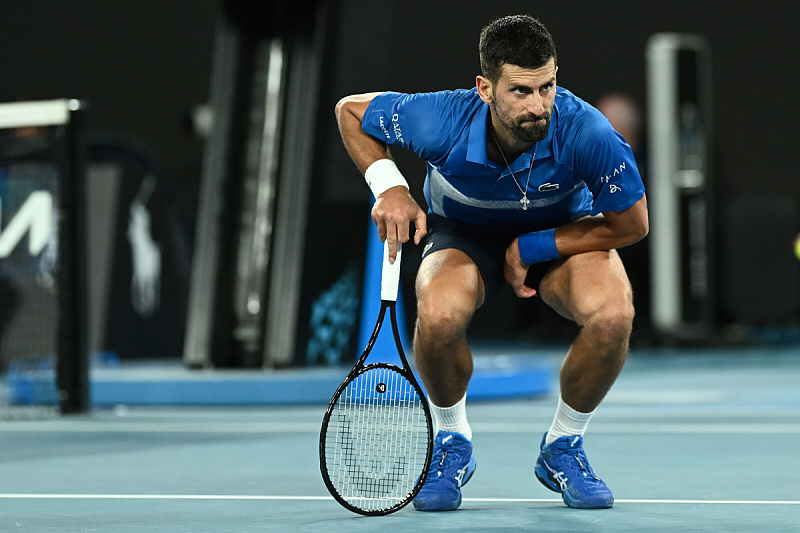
(376, 439)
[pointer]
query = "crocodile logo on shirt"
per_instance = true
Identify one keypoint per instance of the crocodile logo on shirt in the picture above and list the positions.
(545, 187)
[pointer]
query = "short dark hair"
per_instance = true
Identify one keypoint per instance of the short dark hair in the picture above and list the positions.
(519, 40)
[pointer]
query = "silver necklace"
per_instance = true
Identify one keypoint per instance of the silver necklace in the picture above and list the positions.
(524, 201)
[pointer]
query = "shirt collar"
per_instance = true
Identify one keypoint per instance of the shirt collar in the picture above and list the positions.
(476, 143)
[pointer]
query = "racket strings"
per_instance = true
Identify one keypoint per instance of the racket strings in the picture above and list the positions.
(377, 440)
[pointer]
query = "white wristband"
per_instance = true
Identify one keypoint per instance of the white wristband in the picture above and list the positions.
(382, 175)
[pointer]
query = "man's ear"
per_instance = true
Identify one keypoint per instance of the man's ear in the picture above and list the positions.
(484, 89)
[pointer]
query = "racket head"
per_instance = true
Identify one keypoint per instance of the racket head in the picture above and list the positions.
(376, 440)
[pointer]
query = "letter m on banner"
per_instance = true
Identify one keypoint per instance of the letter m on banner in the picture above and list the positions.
(34, 216)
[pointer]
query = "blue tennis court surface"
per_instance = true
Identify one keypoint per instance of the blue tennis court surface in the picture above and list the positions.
(688, 440)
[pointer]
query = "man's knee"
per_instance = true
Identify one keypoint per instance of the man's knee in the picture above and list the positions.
(616, 319)
(446, 300)
(443, 313)
(611, 324)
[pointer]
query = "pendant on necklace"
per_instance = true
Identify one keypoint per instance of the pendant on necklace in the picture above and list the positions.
(524, 201)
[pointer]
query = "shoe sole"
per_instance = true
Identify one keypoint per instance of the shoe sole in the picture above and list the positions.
(471, 471)
(544, 478)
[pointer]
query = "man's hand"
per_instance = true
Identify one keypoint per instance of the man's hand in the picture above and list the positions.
(516, 271)
(392, 213)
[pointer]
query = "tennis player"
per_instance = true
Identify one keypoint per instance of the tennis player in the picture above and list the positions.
(520, 172)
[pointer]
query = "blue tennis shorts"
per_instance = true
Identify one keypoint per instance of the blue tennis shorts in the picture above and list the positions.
(486, 245)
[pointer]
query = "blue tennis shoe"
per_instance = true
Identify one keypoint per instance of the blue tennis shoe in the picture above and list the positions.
(563, 467)
(452, 465)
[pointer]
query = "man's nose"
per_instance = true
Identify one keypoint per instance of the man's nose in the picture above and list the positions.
(535, 104)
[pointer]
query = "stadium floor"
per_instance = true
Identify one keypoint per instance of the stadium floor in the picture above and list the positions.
(688, 440)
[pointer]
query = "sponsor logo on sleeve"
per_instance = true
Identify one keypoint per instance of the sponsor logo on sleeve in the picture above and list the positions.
(616, 172)
(612, 188)
(398, 133)
(382, 124)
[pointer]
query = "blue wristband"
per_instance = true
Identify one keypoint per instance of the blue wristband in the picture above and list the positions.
(538, 247)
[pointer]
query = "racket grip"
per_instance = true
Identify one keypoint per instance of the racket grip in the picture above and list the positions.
(390, 277)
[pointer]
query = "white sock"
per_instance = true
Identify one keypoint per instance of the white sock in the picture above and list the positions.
(567, 423)
(452, 418)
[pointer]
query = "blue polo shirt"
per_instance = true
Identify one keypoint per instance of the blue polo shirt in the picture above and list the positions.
(582, 167)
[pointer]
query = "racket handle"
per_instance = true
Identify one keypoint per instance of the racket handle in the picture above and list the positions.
(390, 277)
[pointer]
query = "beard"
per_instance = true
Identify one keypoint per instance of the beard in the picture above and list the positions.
(526, 128)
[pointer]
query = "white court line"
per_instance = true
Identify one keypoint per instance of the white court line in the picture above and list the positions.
(658, 428)
(224, 497)
(156, 497)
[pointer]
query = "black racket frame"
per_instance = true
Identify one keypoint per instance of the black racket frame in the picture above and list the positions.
(357, 370)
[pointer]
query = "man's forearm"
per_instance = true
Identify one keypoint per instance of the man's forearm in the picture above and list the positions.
(604, 232)
(591, 234)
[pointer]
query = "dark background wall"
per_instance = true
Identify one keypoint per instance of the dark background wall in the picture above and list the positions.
(142, 65)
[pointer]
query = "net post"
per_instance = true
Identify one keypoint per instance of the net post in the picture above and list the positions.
(72, 369)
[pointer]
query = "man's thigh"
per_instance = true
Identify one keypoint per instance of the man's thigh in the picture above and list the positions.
(449, 277)
(583, 284)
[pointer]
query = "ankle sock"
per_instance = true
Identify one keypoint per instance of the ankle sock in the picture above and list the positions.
(567, 422)
(452, 418)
